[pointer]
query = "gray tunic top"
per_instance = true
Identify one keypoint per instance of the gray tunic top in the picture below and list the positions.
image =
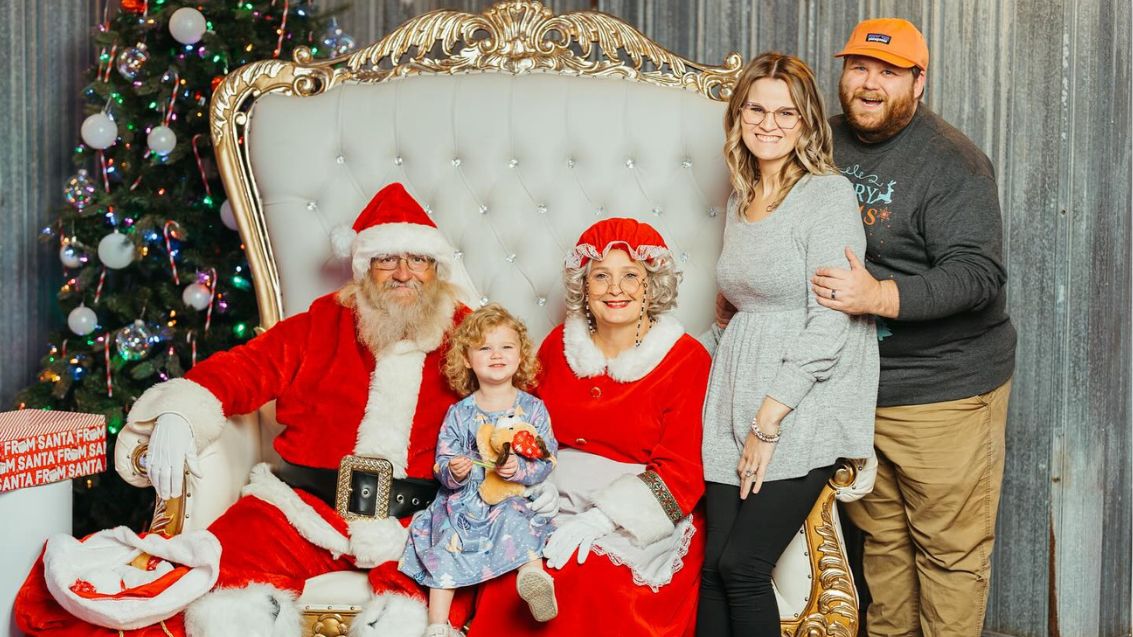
(782, 343)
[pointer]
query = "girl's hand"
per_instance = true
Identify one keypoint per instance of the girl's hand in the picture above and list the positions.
(508, 468)
(753, 463)
(460, 467)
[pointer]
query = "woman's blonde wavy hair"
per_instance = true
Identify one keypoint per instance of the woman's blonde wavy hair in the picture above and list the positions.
(471, 333)
(814, 151)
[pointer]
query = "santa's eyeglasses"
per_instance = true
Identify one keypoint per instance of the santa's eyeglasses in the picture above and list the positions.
(415, 262)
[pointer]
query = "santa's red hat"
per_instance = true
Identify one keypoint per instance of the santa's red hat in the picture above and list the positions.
(639, 240)
(393, 223)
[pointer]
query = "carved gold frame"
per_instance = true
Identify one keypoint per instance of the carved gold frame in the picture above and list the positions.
(513, 36)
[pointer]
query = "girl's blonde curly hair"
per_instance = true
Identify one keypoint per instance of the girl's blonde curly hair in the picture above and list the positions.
(471, 333)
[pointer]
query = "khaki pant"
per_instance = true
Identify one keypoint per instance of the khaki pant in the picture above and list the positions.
(929, 523)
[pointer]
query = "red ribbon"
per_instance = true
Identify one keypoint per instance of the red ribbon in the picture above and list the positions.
(172, 97)
(105, 176)
(110, 62)
(282, 30)
(212, 297)
(168, 230)
(106, 359)
(200, 164)
(101, 280)
(191, 339)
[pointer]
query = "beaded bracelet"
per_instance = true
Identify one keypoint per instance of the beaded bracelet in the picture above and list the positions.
(764, 437)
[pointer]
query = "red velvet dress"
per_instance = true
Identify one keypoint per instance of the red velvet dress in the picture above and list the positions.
(644, 407)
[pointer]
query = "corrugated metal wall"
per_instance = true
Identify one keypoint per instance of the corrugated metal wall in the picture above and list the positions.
(1042, 86)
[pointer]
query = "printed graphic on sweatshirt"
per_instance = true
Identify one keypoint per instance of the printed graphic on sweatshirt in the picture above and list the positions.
(875, 198)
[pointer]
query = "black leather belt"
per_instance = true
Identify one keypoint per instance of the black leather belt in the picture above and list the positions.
(361, 488)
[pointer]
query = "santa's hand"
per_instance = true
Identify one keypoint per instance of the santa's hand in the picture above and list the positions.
(580, 532)
(543, 499)
(171, 448)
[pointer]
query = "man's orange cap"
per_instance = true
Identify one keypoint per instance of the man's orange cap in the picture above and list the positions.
(891, 40)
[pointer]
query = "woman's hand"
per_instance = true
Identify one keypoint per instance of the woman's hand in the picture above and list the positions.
(754, 460)
(508, 468)
(460, 467)
(724, 310)
(757, 454)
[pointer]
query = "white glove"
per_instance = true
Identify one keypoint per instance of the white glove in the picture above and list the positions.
(171, 448)
(580, 532)
(543, 499)
(863, 481)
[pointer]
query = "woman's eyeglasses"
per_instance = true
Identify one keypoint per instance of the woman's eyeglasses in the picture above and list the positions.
(753, 114)
(601, 282)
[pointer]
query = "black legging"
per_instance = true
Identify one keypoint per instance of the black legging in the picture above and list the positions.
(745, 540)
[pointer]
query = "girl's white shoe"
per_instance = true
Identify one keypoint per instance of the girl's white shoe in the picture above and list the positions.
(536, 587)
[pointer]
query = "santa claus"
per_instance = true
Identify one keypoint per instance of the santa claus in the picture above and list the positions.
(356, 377)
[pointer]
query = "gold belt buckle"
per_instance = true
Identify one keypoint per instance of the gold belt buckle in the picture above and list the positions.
(364, 485)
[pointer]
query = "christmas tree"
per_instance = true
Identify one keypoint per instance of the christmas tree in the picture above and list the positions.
(155, 275)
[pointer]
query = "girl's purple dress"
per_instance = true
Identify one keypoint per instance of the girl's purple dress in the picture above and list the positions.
(460, 540)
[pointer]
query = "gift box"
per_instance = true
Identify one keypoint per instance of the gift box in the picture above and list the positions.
(38, 447)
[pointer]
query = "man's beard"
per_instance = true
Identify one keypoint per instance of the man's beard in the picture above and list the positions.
(384, 319)
(895, 114)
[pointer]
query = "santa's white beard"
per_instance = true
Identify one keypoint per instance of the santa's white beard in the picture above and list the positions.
(384, 319)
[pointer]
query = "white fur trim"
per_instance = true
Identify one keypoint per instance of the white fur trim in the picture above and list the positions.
(374, 542)
(394, 388)
(586, 360)
(395, 238)
(103, 560)
(264, 485)
(390, 615)
(632, 506)
(185, 398)
(341, 239)
(258, 610)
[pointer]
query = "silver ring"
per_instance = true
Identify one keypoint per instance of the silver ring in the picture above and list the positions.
(832, 293)
(749, 473)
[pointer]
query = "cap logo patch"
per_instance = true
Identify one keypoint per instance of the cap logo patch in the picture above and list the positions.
(878, 37)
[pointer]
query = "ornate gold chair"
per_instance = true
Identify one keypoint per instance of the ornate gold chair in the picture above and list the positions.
(516, 128)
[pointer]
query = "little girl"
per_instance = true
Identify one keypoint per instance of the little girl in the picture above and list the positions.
(461, 540)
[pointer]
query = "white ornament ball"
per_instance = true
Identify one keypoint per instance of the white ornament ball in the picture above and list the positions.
(187, 25)
(196, 296)
(82, 320)
(71, 256)
(116, 251)
(99, 131)
(161, 140)
(227, 217)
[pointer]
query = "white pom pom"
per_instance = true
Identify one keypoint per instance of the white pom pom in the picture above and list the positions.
(341, 239)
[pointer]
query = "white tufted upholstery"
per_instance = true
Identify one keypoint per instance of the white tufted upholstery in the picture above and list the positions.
(512, 169)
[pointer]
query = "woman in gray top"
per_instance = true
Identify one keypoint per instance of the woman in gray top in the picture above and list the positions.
(793, 384)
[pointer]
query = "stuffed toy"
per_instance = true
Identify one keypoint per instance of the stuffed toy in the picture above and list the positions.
(496, 443)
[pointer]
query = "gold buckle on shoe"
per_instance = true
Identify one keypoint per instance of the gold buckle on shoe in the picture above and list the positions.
(364, 485)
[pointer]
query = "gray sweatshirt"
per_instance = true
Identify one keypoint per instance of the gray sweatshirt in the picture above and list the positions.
(930, 210)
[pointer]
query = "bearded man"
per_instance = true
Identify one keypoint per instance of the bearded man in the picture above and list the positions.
(359, 376)
(933, 276)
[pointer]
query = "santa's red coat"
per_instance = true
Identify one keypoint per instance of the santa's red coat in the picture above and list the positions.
(326, 385)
